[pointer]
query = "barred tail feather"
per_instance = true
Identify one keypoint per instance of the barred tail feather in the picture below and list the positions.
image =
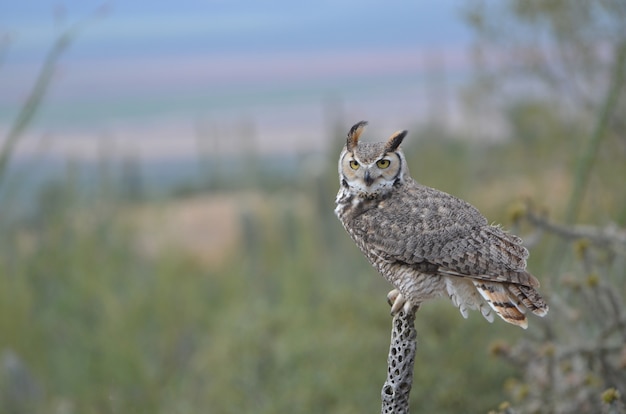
(506, 304)
(530, 298)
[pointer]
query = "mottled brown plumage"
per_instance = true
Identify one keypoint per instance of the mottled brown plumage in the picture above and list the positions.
(428, 243)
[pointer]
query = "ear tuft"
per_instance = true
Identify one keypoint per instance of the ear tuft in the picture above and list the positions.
(353, 135)
(395, 140)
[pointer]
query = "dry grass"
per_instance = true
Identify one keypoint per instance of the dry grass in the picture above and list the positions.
(208, 228)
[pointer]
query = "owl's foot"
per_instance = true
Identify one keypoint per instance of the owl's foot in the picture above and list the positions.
(398, 302)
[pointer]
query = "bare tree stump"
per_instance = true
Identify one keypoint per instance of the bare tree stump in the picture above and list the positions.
(400, 362)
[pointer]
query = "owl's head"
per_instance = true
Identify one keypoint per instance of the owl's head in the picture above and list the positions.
(372, 169)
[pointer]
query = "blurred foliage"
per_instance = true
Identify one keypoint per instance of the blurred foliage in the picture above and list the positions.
(294, 319)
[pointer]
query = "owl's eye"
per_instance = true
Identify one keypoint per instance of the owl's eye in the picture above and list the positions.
(382, 163)
(354, 164)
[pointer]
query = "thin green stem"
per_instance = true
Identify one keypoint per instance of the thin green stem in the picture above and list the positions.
(33, 102)
(589, 156)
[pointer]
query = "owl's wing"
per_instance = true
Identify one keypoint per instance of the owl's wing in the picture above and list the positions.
(439, 233)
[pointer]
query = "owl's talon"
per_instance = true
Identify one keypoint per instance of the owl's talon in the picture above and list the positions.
(392, 295)
(409, 307)
(396, 300)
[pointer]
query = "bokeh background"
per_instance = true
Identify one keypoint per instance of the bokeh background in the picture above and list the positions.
(167, 183)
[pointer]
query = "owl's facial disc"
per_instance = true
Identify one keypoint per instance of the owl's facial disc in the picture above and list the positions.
(370, 176)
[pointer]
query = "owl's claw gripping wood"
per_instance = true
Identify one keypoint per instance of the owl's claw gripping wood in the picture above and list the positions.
(398, 302)
(395, 300)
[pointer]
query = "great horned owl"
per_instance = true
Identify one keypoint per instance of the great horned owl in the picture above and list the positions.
(427, 243)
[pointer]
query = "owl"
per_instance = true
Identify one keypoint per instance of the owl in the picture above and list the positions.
(428, 243)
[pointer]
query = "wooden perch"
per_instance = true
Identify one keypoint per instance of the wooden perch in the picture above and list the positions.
(400, 362)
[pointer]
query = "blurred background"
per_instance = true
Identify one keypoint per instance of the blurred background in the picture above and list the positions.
(167, 184)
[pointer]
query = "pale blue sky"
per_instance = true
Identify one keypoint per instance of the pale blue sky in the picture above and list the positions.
(147, 62)
(207, 27)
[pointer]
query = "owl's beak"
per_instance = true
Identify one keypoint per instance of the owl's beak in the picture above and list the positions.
(368, 178)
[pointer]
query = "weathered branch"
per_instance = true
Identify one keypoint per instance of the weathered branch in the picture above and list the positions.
(610, 236)
(400, 362)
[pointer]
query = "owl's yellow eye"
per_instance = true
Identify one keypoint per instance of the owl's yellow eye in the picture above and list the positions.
(382, 163)
(354, 164)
